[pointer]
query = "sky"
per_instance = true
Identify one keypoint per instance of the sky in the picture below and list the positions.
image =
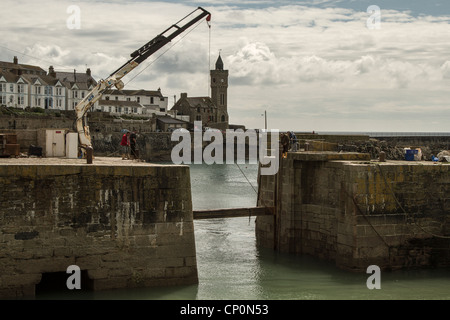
(311, 65)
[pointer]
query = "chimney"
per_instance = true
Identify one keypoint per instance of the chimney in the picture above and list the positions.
(51, 72)
(88, 72)
(183, 96)
(74, 75)
(16, 61)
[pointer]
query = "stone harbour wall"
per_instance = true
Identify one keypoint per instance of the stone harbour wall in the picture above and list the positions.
(126, 226)
(345, 208)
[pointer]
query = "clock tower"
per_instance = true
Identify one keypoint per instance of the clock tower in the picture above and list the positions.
(219, 87)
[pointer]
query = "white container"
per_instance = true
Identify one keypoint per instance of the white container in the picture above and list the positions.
(72, 145)
(53, 142)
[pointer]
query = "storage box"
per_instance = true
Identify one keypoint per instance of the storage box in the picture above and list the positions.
(11, 150)
(35, 151)
(410, 154)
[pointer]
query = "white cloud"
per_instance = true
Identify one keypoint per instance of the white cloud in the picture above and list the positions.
(314, 64)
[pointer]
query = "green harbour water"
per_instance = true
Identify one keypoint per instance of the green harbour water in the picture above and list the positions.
(232, 267)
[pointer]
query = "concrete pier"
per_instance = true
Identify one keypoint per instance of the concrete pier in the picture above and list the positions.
(345, 208)
(125, 224)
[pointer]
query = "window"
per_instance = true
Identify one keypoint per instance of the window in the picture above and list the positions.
(223, 118)
(82, 94)
(11, 87)
(117, 98)
(135, 110)
(59, 103)
(107, 98)
(152, 100)
(38, 90)
(198, 118)
(222, 99)
(138, 99)
(2, 99)
(109, 109)
(20, 88)
(11, 99)
(128, 99)
(20, 100)
(3, 87)
(58, 91)
(48, 91)
(75, 94)
(48, 103)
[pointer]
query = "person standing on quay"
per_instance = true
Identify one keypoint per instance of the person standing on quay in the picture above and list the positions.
(285, 143)
(124, 145)
(133, 138)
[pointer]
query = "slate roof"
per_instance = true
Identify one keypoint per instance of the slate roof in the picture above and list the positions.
(202, 102)
(149, 93)
(9, 66)
(170, 120)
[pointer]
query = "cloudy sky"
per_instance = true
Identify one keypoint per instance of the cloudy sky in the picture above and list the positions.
(322, 65)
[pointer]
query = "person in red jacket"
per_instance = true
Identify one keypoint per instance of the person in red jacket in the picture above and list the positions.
(124, 145)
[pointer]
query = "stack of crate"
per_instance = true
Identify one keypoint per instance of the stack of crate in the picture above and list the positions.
(8, 145)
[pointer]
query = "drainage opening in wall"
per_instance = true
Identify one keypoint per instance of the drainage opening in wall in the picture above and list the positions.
(56, 283)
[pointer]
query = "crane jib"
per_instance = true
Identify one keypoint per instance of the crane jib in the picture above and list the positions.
(162, 39)
(136, 58)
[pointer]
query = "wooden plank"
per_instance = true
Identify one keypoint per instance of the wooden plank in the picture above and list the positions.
(233, 213)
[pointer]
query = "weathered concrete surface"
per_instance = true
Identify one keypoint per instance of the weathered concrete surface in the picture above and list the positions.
(393, 214)
(127, 224)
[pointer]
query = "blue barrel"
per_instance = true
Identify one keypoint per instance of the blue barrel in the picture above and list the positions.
(409, 155)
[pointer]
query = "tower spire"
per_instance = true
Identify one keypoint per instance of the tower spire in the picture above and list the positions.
(219, 63)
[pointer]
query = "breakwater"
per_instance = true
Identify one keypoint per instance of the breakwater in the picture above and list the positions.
(345, 208)
(123, 226)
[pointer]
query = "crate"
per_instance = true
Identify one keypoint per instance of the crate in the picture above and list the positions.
(12, 150)
(35, 151)
(411, 154)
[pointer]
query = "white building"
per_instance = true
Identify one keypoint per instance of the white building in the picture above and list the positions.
(30, 86)
(140, 102)
(24, 86)
(77, 85)
(46, 92)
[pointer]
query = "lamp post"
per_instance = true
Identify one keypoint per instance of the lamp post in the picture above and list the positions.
(265, 119)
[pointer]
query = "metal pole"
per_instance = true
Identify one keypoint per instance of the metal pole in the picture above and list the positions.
(265, 119)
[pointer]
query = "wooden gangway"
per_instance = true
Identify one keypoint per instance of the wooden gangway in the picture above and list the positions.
(233, 212)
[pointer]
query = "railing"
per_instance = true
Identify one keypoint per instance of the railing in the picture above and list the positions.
(390, 134)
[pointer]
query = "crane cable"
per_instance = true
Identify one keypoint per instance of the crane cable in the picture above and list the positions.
(148, 65)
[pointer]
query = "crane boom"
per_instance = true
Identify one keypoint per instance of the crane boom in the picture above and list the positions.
(137, 57)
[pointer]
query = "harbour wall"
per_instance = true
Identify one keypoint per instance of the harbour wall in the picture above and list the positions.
(124, 226)
(345, 208)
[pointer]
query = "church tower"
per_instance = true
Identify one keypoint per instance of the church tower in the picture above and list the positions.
(219, 88)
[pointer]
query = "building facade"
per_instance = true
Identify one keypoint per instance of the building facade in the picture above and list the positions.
(77, 85)
(140, 102)
(212, 111)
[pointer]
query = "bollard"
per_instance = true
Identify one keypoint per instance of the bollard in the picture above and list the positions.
(89, 154)
(382, 156)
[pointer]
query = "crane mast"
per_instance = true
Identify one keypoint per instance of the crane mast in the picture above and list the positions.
(137, 57)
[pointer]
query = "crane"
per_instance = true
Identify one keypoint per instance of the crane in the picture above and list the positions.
(137, 57)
